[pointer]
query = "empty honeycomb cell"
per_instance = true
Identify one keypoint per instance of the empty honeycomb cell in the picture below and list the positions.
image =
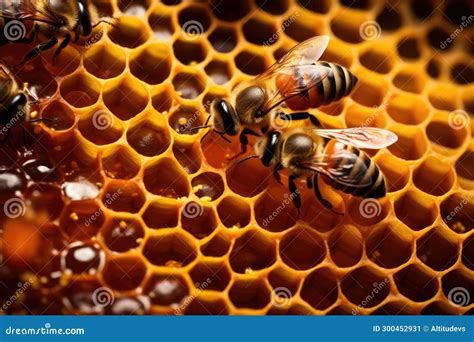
(81, 220)
(396, 308)
(104, 9)
(437, 38)
(274, 209)
(189, 84)
(184, 120)
(361, 116)
(438, 308)
(410, 80)
(166, 178)
(248, 179)
(129, 32)
(80, 90)
(173, 249)
(465, 166)
(457, 212)
(281, 277)
(389, 18)
(223, 39)
(320, 288)
(202, 305)
(148, 137)
(395, 171)
(443, 96)
(411, 144)
(416, 282)
(228, 10)
(322, 7)
(250, 293)
(378, 58)
(234, 212)
(302, 248)
(462, 73)
(408, 48)
(198, 219)
(59, 116)
(346, 23)
(259, 31)
(251, 62)
(64, 64)
(365, 287)
(125, 97)
(209, 185)
(188, 155)
(83, 258)
(104, 60)
(457, 286)
(433, 68)
(196, 15)
(151, 63)
(189, 52)
(408, 109)
(416, 210)
(300, 26)
(217, 246)
(162, 98)
(368, 211)
(390, 245)
(468, 252)
(121, 195)
(273, 7)
(122, 234)
(161, 214)
(133, 7)
(345, 246)
(437, 249)
(210, 275)
(161, 23)
(124, 273)
(219, 71)
(370, 91)
(422, 9)
(100, 127)
(120, 163)
(441, 177)
(252, 251)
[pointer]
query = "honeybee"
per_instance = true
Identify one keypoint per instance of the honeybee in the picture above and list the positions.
(333, 154)
(52, 19)
(298, 81)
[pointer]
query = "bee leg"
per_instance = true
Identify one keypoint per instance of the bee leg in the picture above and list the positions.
(309, 183)
(38, 49)
(64, 43)
(320, 198)
(222, 135)
(244, 141)
(295, 193)
(276, 174)
(301, 116)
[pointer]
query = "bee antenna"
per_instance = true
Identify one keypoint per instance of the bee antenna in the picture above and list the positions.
(244, 159)
(198, 128)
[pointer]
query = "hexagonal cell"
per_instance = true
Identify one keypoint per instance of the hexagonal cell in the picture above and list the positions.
(193, 17)
(105, 60)
(438, 308)
(442, 133)
(78, 296)
(368, 211)
(301, 26)
(282, 278)
(129, 32)
(122, 234)
(276, 7)
(443, 96)
(100, 127)
(252, 251)
(188, 155)
(234, 212)
(345, 246)
(248, 179)
(80, 90)
(259, 31)
(201, 305)
(416, 282)
(210, 275)
(441, 178)
(124, 273)
(162, 97)
(410, 80)
(208, 185)
(433, 68)
(82, 258)
(250, 293)
(408, 109)
(422, 9)
(408, 48)
(320, 288)
(189, 85)
(457, 212)
(396, 308)
(161, 214)
(134, 7)
(66, 63)
(389, 18)
(457, 286)
(219, 71)
(370, 91)
(251, 62)
(346, 25)
(465, 166)
(189, 52)
(316, 6)
(302, 248)
(378, 58)
(122, 195)
(437, 38)
(395, 171)
(166, 289)
(148, 137)
(390, 245)
(411, 144)
(468, 252)
(217, 246)
(416, 210)
(357, 115)
(58, 116)
(81, 220)
(366, 287)
(151, 63)
(197, 219)
(120, 163)
(170, 249)
(223, 39)
(165, 177)
(125, 97)
(161, 23)
(437, 249)
(274, 210)
(228, 10)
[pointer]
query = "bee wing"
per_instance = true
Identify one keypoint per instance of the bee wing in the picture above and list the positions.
(344, 167)
(28, 11)
(361, 137)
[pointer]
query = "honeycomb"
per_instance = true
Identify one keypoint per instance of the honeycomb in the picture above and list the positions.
(122, 209)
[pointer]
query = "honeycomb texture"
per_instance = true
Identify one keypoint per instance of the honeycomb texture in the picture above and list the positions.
(151, 212)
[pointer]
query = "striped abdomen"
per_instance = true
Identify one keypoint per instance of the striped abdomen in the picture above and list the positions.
(359, 175)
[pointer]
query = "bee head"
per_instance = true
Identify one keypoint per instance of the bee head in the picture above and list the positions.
(224, 117)
(267, 147)
(84, 18)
